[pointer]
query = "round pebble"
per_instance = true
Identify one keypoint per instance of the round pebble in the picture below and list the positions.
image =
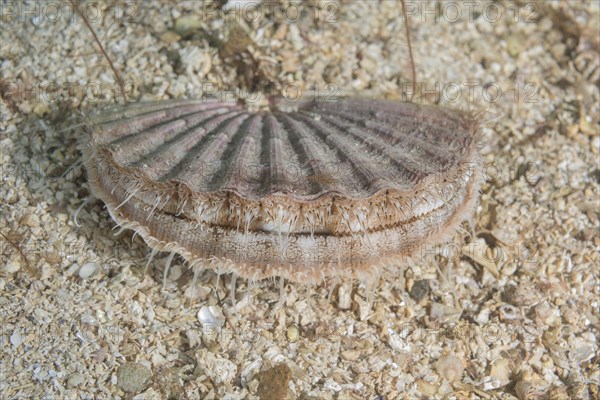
(292, 333)
(420, 290)
(88, 270)
(187, 25)
(211, 316)
(75, 380)
(133, 377)
(16, 339)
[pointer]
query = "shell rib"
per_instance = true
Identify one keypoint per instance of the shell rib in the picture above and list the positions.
(304, 192)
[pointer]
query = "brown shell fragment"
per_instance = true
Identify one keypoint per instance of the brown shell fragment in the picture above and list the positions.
(303, 192)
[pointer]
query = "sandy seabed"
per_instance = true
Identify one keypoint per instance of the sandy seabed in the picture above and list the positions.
(512, 312)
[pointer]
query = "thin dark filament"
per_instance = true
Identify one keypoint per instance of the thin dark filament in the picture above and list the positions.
(119, 80)
(410, 52)
(19, 249)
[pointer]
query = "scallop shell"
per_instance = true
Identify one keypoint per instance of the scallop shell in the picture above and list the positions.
(302, 190)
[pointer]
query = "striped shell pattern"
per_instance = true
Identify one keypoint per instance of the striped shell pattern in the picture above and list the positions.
(303, 191)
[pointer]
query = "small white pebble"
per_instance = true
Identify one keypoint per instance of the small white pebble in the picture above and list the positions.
(75, 380)
(16, 339)
(450, 367)
(483, 317)
(292, 333)
(88, 270)
(332, 385)
(211, 316)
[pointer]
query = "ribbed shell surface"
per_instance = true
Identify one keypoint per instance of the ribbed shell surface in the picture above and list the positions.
(352, 148)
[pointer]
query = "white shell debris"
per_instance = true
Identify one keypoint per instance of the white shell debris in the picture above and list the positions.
(211, 317)
(242, 5)
(88, 270)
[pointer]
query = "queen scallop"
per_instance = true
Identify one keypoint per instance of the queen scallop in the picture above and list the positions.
(302, 191)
